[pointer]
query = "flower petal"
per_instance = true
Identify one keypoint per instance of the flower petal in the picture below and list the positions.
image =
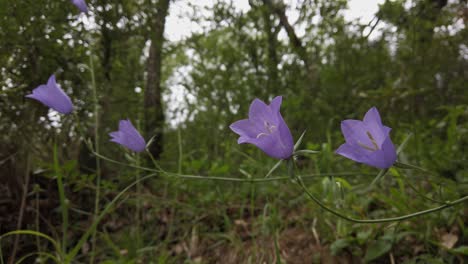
(361, 155)
(126, 125)
(372, 116)
(128, 136)
(39, 93)
(375, 126)
(275, 104)
(351, 152)
(386, 130)
(285, 138)
(51, 82)
(270, 144)
(266, 129)
(246, 128)
(259, 113)
(378, 160)
(116, 135)
(368, 142)
(389, 153)
(243, 140)
(52, 96)
(354, 132)
(81, 4)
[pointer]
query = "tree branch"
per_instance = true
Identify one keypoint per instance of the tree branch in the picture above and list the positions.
(296, 42)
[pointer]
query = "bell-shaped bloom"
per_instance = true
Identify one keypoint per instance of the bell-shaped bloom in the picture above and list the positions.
(81, 4)
(368, 141)
(51, 95)
(128, 136)
(266, 129)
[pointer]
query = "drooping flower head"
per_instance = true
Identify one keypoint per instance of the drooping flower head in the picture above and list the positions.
(81, 4)
(52, 96)
(266, 129)
(368, 141)
(128, 136)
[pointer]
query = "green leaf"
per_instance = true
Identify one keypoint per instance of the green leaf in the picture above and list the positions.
(274, 168)
(403, 144)
(339, 245)
(363, 236)
(377, 249)
(298, 142)
(463, 250)
(378, 177)
(277, 251)
(306, 151)
(344, 183)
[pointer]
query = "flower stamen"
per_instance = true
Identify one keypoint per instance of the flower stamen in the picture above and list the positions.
(374, 143)
(372, 140)
(271, 128)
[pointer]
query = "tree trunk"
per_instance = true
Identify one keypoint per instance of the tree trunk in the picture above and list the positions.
(272, 59)
(154, 112)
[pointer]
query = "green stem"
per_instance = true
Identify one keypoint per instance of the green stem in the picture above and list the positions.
(166, 185)
(199, 177)
(139, 195)
(39, 254)
(381, 220)
(63, 200)
(36, 218)
(179, 141)
(378, 177)
(421, 194)
(22, 206)
(155, 163)
(96, 144)
(31, 233)
(96, 221)
(123, 164)
(138, 209)
(402, 165)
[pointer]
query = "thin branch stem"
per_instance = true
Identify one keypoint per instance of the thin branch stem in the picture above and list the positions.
(380, 220)
(138, 205)
(420, 193)
(200, 177)
(402, 165)
(96, 144)
(372, 28)
(31, 233)
(22, 207)
(97, 220)
(179, 141)
(63, 200)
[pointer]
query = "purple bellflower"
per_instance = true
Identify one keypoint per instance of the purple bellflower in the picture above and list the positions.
(266, 129)
(81, 4)
(52, 96)
(368, 141)
(128, 136)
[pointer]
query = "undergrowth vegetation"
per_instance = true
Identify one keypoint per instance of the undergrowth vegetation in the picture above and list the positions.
(174, 186)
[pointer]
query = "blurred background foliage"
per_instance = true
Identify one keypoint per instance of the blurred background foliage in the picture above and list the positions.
(410, 62)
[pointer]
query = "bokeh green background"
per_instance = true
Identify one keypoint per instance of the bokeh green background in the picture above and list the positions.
(413, 68)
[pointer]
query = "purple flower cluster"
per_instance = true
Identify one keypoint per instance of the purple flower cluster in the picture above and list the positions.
(54, 97)
(128, 136)
(367, 141)
(266, 129)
